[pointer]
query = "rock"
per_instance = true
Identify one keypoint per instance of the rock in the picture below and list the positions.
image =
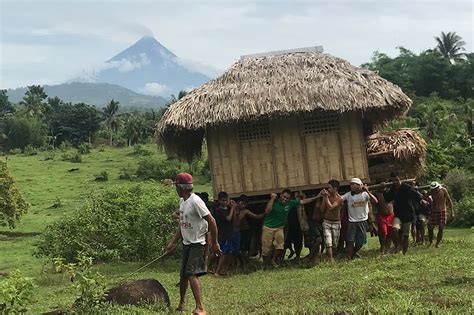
(148, 291)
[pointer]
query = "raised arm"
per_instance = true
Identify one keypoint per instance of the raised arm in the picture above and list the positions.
(252, 215)
(450, 203)
(231, 212)
(270, 202)
(331, 206)
(372, 198)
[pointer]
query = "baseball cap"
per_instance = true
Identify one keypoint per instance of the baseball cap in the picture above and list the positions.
(184, 178)
(357, 181)
(435, 185)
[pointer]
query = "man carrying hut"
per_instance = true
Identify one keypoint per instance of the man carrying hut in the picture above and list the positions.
(332, 203)
(194, 222)
(223, 213)
(276, 216)
(403, 197)
(358, 210)
(438, 212)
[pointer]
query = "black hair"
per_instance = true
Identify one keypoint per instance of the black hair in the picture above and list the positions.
(286, 190)
(244, 198)
(334, 183)
(222, 195)
(394, 174)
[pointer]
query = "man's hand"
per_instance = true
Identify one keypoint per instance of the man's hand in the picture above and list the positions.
(216, 249)
(324, 193)
(273, 196)
(365, 187)
(170, 248)
(232, 203)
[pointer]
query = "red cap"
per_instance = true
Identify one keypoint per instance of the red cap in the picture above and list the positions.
(183, 178)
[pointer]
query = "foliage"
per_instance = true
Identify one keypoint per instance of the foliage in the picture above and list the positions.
(460, 183)
(14, 151)
(34, 101)
(75, 123)
(22, 131)
(29, 150)
(90, 285)
(152, 168)
(84, 148)
(12, 204)
(16, 293)
(102, 177)
(135, 129)
(125, 223)
(72, 157)
(141, 151)
(112, 120)
(464, 212)
(450, 45)
(5, 106)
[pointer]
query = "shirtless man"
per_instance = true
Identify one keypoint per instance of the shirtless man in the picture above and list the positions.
(332, 203)
(440, 197)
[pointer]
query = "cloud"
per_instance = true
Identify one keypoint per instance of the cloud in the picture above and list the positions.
(127, 65)
(155, 88)
(199, 67)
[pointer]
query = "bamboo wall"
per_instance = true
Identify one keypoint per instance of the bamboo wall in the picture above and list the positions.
(287, 158)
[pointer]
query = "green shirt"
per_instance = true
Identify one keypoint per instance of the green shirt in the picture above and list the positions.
(278, 216)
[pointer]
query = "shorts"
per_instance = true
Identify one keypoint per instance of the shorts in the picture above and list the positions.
(194, 261)
(332, 230)
(357, 233)
(438, 218)
(421, 221)
(272, 237)
(231, 246)
(404, 226)
(245, 239)
(385, 223)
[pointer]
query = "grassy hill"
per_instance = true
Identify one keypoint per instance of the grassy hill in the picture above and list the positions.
(97, 94)
(426, 279)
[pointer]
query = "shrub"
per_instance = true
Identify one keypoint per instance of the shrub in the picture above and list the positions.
(126, 174)
(152, 168)
(12, 204)
(138, 149)
(23, 131)
(29, 150)
(16, 293)
(464, 212)
(65, 145)
(127, 223)
(49, 155)
(459, 182)
(72, 157)
(84, 148)
(14, 151)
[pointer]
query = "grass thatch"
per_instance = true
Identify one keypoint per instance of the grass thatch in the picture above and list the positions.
(405, 146)
(281, 85)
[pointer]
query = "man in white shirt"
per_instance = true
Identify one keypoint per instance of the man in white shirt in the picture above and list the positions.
(358, 209)
(194, 222)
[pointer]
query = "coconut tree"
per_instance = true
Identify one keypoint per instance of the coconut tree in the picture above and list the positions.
(34, 101)
(450, 46)
(112, 120)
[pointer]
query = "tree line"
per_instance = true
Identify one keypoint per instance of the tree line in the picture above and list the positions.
(40, 121)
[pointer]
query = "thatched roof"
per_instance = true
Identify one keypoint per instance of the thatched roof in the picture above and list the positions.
(275, 86)
(405, 145)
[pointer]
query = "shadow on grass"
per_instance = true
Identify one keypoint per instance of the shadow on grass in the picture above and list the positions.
(9, 234)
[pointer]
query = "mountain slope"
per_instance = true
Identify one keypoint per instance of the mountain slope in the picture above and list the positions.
(97, 94)
(149, 67)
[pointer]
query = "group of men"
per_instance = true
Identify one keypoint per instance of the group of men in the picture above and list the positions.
(336, 222)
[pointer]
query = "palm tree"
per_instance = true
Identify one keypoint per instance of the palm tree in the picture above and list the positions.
(34, 101)
(450, 46)
(112, 119)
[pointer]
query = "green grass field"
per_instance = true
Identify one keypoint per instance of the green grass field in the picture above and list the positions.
(426, 279)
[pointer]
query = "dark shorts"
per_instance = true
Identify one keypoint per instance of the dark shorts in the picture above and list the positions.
(316, 229)
(357, 233)
(231, 246)
(194, 261)
(245, 239)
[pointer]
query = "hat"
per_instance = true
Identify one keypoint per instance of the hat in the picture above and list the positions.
(435, 185)
(357, 181)
(183, 178)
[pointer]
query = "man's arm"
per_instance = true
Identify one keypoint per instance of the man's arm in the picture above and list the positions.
(270, 202)
(231, 212)
(331, 206)
(308, 200)
(211, 222)
(252, 215)
(174, 241)
(372, 198)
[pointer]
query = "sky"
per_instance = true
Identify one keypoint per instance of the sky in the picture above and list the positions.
(51, 42)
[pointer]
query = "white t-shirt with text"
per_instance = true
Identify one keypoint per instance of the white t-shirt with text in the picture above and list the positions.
(193, 226)
(358, 206)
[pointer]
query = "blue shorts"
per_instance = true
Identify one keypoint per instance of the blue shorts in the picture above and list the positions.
(356, 233)
(231, 246)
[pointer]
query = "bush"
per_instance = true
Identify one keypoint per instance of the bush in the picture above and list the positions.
(29, 150)
(138, 149)
(16, 293)
(12, 204)
(126, 174)
(84, 148)
(23, 131)
(464, 212)
(126, 223)
(102, 177)
(65, 145)
(72, 157)
(460, 183)
(14, 151)
(152, 168)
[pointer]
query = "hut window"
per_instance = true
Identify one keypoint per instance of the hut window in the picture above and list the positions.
(254, 131)
(321, 122)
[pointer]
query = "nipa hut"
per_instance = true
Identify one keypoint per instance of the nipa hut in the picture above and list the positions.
(402, 151)
(284, 120)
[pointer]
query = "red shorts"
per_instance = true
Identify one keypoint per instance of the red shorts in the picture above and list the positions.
(438, 218)
(385, 223)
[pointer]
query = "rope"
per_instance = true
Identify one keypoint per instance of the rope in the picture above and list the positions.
(144, 266)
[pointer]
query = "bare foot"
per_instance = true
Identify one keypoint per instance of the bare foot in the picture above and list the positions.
(180, 308)
(199, 311)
